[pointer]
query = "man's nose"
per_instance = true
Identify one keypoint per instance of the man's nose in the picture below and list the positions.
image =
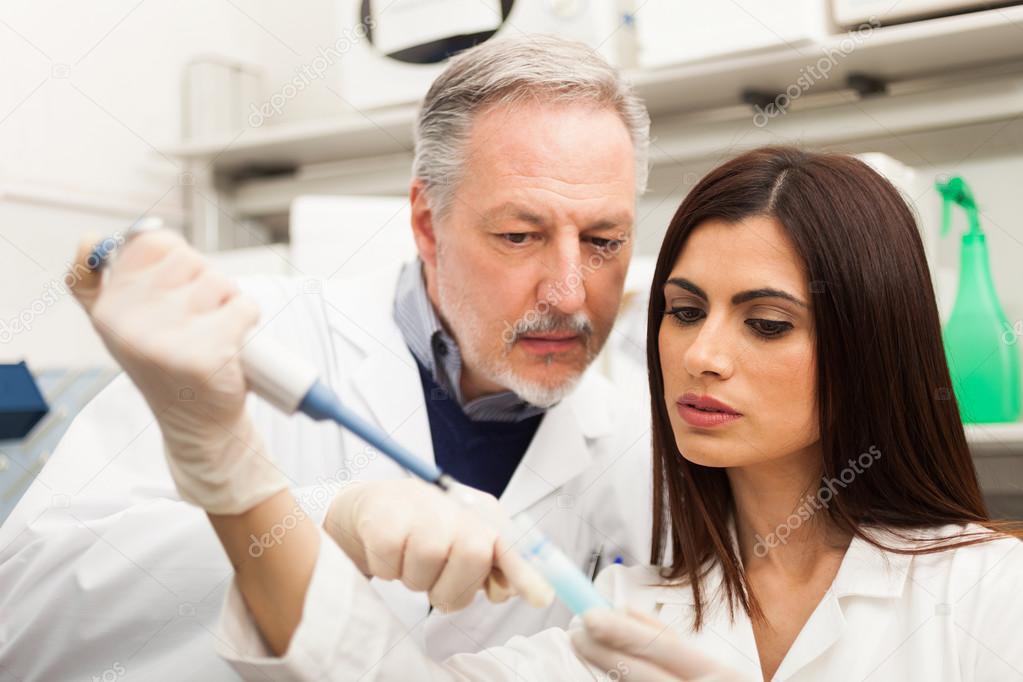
(563, 285)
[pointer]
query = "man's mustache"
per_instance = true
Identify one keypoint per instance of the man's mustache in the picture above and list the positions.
(534, 324)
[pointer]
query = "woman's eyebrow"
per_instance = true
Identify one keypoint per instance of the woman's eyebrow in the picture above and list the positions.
(742, 296)
(684, 283)
(765, 292)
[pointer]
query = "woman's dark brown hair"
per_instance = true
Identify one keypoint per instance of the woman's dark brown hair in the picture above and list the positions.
(882, 379)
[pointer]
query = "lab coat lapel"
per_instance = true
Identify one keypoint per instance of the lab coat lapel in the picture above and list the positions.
(385, 384)
(393, 394)
(819, 633)
(721, 636)
(561, 448)
(866, 573)
(858, 600)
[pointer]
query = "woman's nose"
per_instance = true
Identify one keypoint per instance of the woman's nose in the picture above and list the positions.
(713, 351)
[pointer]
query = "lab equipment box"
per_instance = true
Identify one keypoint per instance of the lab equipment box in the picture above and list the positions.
(852, 12)
(670, 32)
(398, 46)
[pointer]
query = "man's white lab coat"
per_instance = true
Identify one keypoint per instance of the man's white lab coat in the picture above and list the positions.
(105, 573)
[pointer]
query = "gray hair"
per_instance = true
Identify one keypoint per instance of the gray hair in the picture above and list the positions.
(510, 71)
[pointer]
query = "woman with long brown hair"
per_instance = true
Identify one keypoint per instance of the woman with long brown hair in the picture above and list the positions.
(792, 298)
(817, 513)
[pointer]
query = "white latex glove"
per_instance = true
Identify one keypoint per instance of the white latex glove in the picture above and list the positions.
(410, 531)
(641, 648)
(176, 327)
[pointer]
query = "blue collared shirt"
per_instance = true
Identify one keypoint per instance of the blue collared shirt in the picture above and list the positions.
(437, 351)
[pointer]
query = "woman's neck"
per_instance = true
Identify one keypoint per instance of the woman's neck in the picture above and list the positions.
(780, 521)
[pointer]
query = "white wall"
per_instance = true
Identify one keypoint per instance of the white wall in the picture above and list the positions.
(90, 92)
(89, 95)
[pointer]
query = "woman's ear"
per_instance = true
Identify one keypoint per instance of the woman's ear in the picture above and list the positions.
(422, 223)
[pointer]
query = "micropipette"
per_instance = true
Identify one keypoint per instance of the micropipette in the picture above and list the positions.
(292, 385)
(288, 383)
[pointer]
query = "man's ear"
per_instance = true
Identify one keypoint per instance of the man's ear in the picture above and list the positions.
(422, 223)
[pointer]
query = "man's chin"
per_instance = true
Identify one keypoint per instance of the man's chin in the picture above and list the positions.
(540, 379)
(543, 389)
(542, 395)
(552, 375)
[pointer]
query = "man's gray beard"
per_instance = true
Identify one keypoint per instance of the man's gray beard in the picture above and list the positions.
(499, 370)
(533, 393)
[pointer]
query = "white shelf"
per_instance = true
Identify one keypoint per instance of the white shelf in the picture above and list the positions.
(917, 125)
(935, 47)
(994, 440)
(309, 142)
(892, 53)
(919, 128)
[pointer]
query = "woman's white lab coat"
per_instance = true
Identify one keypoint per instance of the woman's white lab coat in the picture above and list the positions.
(101, 564)
(952, 616)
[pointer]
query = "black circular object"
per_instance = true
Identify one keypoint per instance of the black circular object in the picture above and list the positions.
(434, 51)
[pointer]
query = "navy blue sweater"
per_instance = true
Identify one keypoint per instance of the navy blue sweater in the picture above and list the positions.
(481, 454)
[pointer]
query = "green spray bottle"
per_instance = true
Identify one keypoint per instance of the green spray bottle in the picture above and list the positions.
(981, 348)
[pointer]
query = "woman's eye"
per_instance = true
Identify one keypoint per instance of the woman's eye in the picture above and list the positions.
(686, 315)
(769, 328)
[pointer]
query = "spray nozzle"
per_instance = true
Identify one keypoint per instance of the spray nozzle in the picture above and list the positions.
(957, 192)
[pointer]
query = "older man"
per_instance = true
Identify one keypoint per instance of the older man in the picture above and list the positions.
(529, 158)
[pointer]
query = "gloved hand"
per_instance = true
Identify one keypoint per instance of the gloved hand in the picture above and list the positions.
(410, 531)
(641, 648)
(176, 327)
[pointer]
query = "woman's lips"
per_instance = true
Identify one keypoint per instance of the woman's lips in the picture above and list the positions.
(545, 345)
(704, 411)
